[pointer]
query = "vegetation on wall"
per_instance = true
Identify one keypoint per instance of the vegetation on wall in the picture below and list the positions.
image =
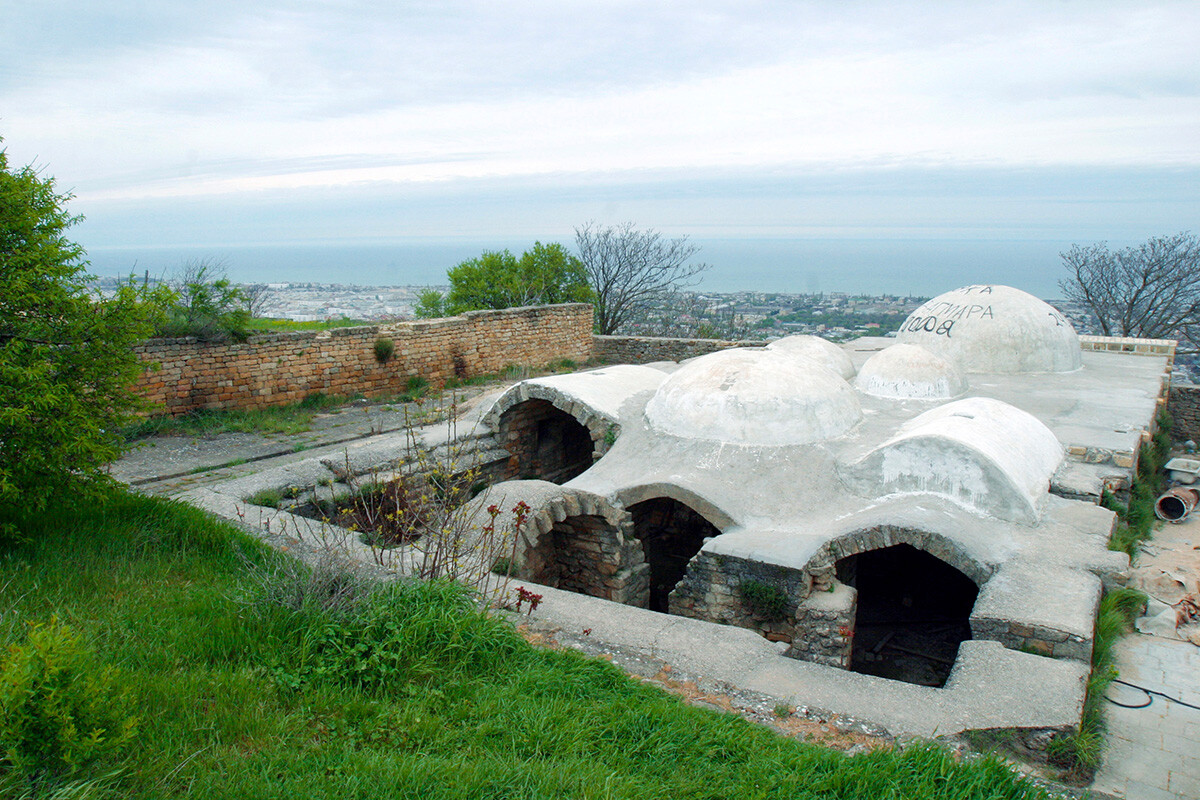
(1136, 519)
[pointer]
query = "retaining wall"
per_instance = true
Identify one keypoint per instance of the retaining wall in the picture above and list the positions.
(277, 369)
(1184, 405)
(646, 349)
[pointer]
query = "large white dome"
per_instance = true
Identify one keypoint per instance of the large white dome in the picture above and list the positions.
(820, 350)
(754, 397)
(908, 372)
(994, 329)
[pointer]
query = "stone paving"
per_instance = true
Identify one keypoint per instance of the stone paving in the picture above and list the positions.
(1153, 753)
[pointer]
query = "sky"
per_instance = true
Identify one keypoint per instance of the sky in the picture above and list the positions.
(233, 123)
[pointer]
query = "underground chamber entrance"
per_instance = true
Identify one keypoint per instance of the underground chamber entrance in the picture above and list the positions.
(913, 613)
(671, 534)
(548, 443)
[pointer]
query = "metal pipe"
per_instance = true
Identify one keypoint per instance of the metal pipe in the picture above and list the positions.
(1175, 504)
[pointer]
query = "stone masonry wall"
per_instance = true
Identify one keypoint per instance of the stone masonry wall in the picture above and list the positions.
(1184, 406)
(283, 368)
(585, 554)
(1032, 638)
(646, 349)
(710, 590)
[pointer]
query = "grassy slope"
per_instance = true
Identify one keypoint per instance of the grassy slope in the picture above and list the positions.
(245, 698)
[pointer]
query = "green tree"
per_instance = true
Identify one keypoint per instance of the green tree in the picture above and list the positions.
(205, 305)
(546, 274)
(430, 304)
(66, 357)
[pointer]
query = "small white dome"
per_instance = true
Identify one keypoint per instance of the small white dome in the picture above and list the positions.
(754, 397)
(994, 329)
(908, 372)
(820, 350)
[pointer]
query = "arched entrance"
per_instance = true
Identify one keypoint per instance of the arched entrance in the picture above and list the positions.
(547, 443)
(671, 534)
(913, 612)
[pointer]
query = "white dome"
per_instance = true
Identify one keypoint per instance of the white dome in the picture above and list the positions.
(820, 350)
(908, 372)
(754, 397)
(994, 329)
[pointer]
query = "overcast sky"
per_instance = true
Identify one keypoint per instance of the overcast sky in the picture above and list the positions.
(268, 121)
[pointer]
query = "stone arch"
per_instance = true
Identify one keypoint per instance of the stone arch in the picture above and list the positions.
(913, 595)
(582, 543)
(550, 435)
(648, 491)
(671, 533)
(882, 536)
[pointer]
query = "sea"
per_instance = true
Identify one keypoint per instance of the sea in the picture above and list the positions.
(905, 267)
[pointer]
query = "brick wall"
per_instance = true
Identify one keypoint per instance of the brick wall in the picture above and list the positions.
(645, 349)
(282, 368)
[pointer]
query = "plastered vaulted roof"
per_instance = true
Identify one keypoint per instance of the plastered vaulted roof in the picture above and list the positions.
(995, 329)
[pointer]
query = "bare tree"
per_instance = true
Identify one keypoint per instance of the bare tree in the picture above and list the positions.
(630, 268)
(257, 296)
(1150, 291)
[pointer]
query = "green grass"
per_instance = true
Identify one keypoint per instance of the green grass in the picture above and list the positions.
(1136, 519)
(1080, 752)
(289, 419)
(260, 324)
(254, 677)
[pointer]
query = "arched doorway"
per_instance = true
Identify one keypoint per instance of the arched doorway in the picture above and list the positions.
(547, 443)
(913, 612)
(671, 534)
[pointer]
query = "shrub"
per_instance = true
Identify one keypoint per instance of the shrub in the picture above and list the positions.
(764, 600)
(415, 389)
(384, 350)
(60, 711)
(205, 305)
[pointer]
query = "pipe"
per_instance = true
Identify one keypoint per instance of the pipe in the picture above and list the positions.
(1175, 504)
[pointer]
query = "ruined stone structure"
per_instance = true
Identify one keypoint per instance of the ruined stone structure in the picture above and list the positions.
(909, 525)
(877, 506)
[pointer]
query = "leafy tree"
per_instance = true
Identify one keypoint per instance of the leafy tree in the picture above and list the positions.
(206, 305)
(546, 274)
(430, 305)
(630, 270)
(1149, 291)
(66, 357)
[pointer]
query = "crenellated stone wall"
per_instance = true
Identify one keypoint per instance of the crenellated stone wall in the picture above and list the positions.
(277, 369)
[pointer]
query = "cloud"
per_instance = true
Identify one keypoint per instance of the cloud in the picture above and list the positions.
(127, 102)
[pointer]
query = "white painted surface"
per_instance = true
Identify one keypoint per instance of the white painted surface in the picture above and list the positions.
(995, 329)
(820, 350)
(754, 397)
(909, 372)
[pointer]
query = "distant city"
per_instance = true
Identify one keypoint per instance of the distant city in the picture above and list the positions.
(749, 316)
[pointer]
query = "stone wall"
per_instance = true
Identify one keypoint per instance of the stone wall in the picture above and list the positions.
(546, 443)
(825, 627)
(283, 368)
(1038, 639)
(588, 555)
(711, 590)
(646, 349)
(1184, 406)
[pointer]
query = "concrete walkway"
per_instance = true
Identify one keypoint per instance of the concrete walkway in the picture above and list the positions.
(1153, 752)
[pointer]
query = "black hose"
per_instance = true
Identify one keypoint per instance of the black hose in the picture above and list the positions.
(1150, 695)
